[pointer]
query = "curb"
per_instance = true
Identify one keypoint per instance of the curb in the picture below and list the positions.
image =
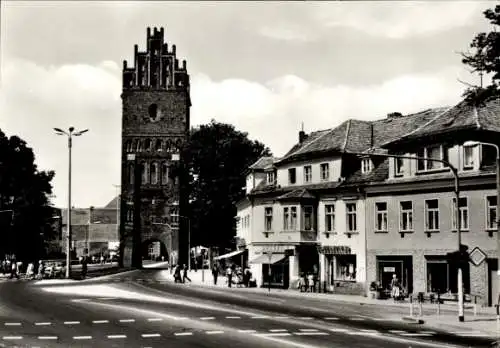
(413, 320)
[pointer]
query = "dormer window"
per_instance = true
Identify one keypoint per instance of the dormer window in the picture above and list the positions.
(431, 152)
(468, 157)
(366, 165)
(398, 167)
(271, 178)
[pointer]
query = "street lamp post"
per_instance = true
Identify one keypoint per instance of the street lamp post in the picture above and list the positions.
(70, 134)
(475, 143)
(454, 171)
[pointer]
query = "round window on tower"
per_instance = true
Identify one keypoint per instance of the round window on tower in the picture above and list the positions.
(154, 113)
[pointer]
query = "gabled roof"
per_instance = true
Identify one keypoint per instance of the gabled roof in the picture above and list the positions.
(263, 163)
(263, 187)
(112, 204)
(297, 194)
(463, 116)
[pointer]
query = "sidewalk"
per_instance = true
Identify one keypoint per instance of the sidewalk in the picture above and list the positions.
(484, 322)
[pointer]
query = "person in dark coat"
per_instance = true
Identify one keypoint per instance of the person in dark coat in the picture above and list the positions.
(185, 274)
(215, 273)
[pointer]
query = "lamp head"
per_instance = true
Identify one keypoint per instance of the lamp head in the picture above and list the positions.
(80, 132)
(471, 143)
(71, 129)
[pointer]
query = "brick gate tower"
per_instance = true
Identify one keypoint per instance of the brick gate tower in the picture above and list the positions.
(155, 127)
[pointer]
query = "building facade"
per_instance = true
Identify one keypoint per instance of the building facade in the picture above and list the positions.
(155, 127)
(94, 230)
(369, 215)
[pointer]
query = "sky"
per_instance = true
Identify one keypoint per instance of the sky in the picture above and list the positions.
(265, 67)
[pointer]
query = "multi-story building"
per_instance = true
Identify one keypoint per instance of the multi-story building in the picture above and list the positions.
(155, 127)
(94, 230)
(353, 218)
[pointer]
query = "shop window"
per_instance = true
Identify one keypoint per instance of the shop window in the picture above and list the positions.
(442, 276)
(346, 268)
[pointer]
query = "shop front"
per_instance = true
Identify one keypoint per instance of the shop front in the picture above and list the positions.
(340, 269)
(270, 265)
(401, 266)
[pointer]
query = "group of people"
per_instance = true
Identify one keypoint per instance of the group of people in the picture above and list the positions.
(181, 274)
(235, 275)
(14, 268)
(307, 282)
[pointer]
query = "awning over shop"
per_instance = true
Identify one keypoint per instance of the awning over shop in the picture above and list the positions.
(229, 255)
(334, 250)
(264, 258)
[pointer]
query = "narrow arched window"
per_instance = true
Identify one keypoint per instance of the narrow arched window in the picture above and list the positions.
(154, 173)
(139, 145)
(131, 174)
(130, 215)
(144, 173)
(164, 173)
(158, 147)
(147, 145)
(128, 146)
(168, 146)
(178, 145)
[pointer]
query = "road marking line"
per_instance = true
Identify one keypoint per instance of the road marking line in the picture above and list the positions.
(278, 330)
(281, 317)
(47, 337)
(71, 322)
(12, 337)
(338, 330)
(369, 330)
(207, 318)
(415, 334)
(429, 332)
(305, 318)
(12, 324)
(233, 317)
(43, 323)
(127, 320)
(151, 335)
(358, 319)
(260, 317)
(100, 321)
(155, 319)
(215, 332)
(308, 330)
(82, 337)
(331, 318)
(116, 336)
(275, 334)
(396, 331)
(183, 334)
(311, 333)
(247, 331)
(106, 298)
(180, 318)
(475, 334)
(80, 300)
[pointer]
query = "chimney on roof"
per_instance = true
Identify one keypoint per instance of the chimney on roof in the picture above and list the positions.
(394, 115)
(302, 134)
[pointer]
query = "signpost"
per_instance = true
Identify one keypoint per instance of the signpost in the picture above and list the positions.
(477, 256)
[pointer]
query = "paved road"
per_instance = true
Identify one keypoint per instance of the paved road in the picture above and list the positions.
(143, 312)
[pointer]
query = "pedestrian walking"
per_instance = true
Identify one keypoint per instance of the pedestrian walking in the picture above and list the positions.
(13, 270)
(185, 274)
(41, 270)
(177, 274)
(30, 271)
(215, 273)
(229, 275)
(395, 287)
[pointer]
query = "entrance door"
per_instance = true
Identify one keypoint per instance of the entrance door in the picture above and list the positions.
(387, 269)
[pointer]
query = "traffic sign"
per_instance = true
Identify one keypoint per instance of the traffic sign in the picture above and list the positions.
(477, 256)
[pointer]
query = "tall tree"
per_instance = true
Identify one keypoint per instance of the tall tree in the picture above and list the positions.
(25, 214)
(217, 156)
(484, 59)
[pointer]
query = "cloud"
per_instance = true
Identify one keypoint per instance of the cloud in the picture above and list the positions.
(394, 20)
(34, 99)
